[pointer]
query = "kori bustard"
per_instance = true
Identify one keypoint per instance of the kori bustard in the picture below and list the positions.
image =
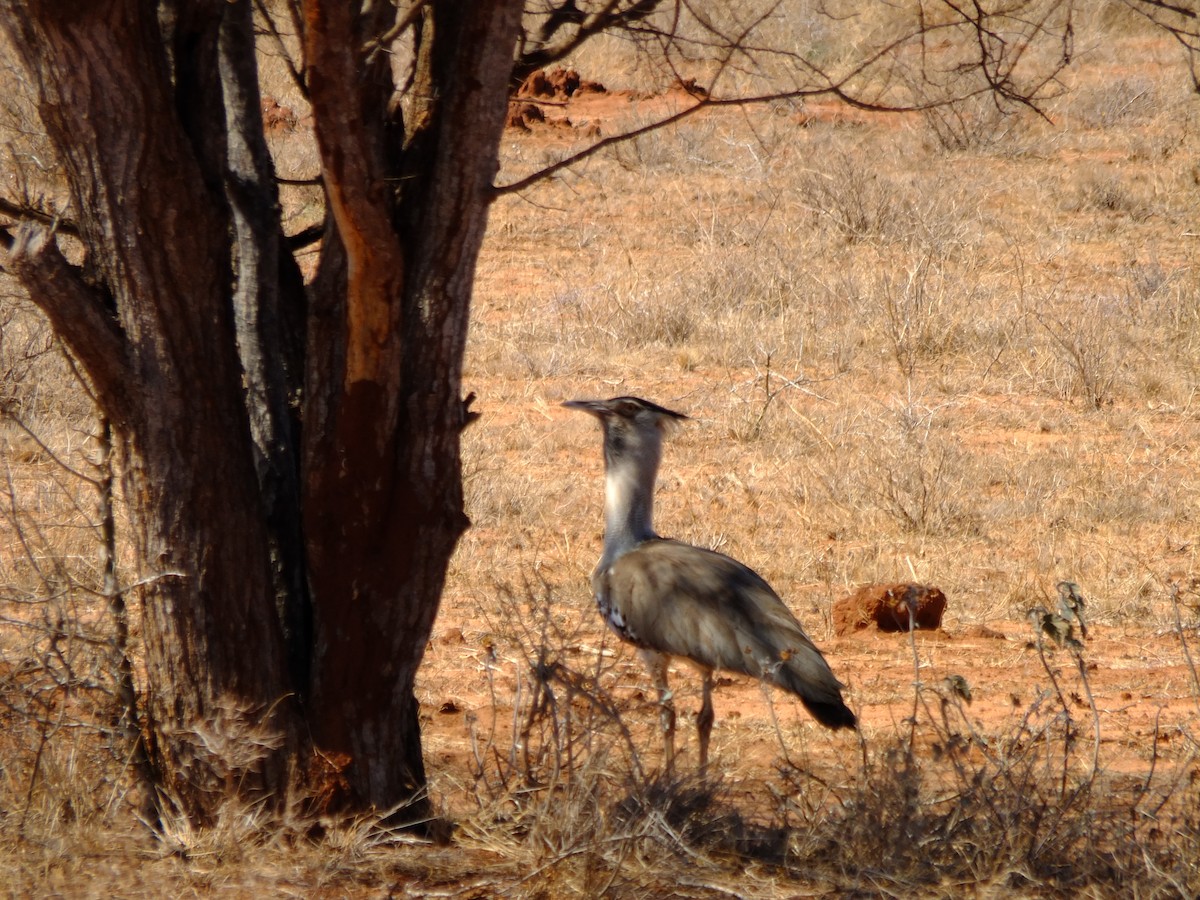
(669, 599)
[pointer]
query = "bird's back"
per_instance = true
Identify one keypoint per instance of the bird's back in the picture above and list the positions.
(683, 600)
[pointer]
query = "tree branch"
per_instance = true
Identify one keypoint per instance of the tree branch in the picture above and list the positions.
(1000, 40)
(1179, 22)
(609, 17)
(305, 237)
(23, 213)
(1183, 11)
(77, 312)
(403, 22)
(701, 104)
(297, 71)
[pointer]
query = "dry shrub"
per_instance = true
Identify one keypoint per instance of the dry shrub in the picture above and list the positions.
(65, 734)
(1091, 347)
(854, 199)
(1121, 101)
(918, 475)
(1008, 812)
(1109, 193)
(976, 124)
(1025, 806)
(926, 312)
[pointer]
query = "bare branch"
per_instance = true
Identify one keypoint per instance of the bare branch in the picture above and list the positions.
(78, 313)
(403, 23)
(996, 43)
(1180, 22)
(22, 213)
(703, 102)
(609, 17)
(1184, 11)
(305, 237)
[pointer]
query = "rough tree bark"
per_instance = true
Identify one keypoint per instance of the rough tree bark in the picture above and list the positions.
(384, 488)
(150, 317)
(290, 557)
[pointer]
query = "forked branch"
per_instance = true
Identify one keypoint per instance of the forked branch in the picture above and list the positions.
(78, 313)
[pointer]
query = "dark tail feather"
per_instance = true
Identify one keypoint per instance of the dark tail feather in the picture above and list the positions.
(831, 714)
(808, 676)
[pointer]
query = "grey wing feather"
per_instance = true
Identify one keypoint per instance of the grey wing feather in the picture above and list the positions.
(683, 600)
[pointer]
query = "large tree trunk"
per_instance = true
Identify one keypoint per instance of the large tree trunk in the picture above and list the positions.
(153, 323)
(187, 316)
(384, 499)
(269, 309)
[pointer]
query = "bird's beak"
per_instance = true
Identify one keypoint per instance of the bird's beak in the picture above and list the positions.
(595, 407)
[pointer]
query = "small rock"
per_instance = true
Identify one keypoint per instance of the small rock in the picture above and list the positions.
(886, 606)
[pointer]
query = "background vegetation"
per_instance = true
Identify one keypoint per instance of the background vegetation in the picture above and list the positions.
(958, 347)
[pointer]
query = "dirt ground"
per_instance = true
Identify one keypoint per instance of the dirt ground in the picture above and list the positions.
(1140, 680)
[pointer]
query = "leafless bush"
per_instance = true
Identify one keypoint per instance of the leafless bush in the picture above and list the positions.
(1090, 346)
(925, 311)
(758, 395)
(65, 694)
(748, 279)
(865, 203)
(916, 473)
(646, 316)
(1028, 807)
(856, 200)
(1110, 194)
(972, 124)
(564, 776)
(1118, 101)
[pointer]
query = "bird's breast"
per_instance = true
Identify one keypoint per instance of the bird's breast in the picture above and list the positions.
(611, 613)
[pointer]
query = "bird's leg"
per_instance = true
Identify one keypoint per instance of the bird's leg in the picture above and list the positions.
(657, 663)
(704, 721)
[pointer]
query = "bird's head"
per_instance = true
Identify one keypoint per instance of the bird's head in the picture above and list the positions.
(633, 428)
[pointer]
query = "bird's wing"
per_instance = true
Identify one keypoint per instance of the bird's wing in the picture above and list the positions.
(697, 603)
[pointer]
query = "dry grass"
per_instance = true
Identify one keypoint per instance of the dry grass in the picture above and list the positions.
(961, 348)
(928, 806)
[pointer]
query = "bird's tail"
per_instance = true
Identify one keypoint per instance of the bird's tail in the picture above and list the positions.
(834, 714)
(809, 677)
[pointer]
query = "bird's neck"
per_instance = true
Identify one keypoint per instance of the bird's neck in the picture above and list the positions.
(628, 504)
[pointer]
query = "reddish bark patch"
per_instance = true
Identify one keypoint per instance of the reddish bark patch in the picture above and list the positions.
(887, 606)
